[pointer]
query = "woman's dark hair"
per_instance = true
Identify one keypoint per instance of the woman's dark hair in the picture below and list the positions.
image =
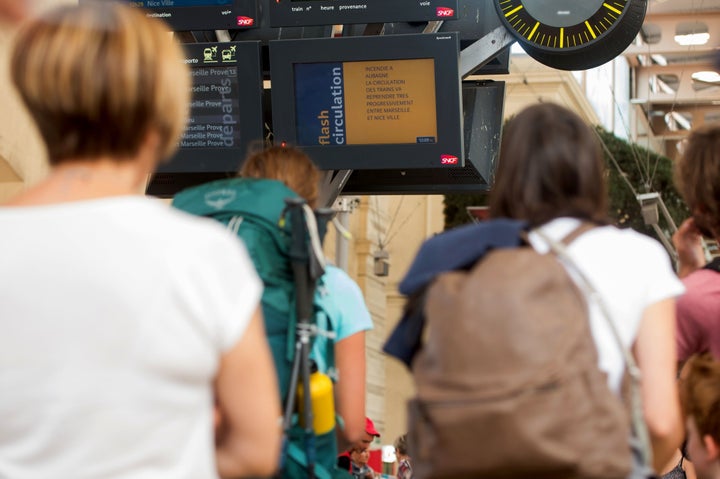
(550, 166)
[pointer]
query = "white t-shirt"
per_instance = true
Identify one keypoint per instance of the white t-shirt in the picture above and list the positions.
(114, 314)
(630, 271)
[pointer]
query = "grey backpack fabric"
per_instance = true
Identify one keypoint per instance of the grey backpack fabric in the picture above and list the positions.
(507, 378)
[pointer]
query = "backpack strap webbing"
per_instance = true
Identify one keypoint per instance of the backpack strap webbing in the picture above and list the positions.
(638, 426)
(584, 227)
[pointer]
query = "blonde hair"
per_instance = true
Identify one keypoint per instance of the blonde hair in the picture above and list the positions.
(289, 165)
(98, 77)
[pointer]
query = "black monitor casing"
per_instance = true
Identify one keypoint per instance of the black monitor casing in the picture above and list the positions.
(183, 15)
(476, 18)
(442, 48)
(289, 13)
(483, 119)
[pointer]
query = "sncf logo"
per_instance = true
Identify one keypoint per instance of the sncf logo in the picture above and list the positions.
(245, 21)
(442, 12)
(448, 160)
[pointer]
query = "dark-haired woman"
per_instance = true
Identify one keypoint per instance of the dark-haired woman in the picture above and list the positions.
(551, 174)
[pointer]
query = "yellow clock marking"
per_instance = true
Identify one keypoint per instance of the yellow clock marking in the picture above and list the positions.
(611, 8)
(558, 37)
(587, 24)
(533, 31)
(513, 10)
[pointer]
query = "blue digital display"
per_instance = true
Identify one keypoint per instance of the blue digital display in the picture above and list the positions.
(318, 87)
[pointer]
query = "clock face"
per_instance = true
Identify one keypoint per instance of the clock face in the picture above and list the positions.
(573, 28)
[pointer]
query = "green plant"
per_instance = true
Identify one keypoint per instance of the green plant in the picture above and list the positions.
(631, 169)
(647, 172)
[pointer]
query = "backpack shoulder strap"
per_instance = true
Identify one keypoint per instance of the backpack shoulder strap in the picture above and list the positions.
(325, 312)
(584, 227)
(639, 428)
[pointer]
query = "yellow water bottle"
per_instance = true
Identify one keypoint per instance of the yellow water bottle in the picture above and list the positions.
(323, 402)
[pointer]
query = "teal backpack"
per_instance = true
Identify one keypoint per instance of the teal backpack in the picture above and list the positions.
(255, 210)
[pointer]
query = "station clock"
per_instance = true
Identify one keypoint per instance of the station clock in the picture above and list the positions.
(573, 34)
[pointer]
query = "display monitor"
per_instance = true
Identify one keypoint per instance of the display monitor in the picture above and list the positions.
(289, 13)
(375, 102)
(203, 14)
(483, 118)
(225, 115)
(476, 18)
(264, 32)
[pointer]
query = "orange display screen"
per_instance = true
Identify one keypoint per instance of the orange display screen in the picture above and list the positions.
(366, 102)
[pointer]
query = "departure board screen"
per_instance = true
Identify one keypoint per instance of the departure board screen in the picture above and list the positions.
(225, 107)
(371, 102)
(215, 109)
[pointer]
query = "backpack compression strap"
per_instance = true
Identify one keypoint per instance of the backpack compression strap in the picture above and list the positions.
(298, 455)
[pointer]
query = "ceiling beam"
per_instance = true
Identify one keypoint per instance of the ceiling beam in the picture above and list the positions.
(652, 79)
(666, 27)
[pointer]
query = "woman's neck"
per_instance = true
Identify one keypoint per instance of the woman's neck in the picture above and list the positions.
(85, 180)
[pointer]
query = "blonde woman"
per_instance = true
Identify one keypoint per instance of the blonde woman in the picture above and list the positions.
(122, 320)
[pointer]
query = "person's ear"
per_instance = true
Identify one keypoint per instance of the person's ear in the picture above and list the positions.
(151, 145)
(712, 448)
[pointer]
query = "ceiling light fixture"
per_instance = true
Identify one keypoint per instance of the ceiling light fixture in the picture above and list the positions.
(659, 59)
(692, 39)
(691, 33)
(706, 76)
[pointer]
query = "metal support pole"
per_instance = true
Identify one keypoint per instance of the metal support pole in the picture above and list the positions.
(331, 186)
(341, 243)
(485, 49)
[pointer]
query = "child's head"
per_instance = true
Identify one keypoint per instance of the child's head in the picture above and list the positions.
(360, 455)
(401, 445)
(700, 395)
